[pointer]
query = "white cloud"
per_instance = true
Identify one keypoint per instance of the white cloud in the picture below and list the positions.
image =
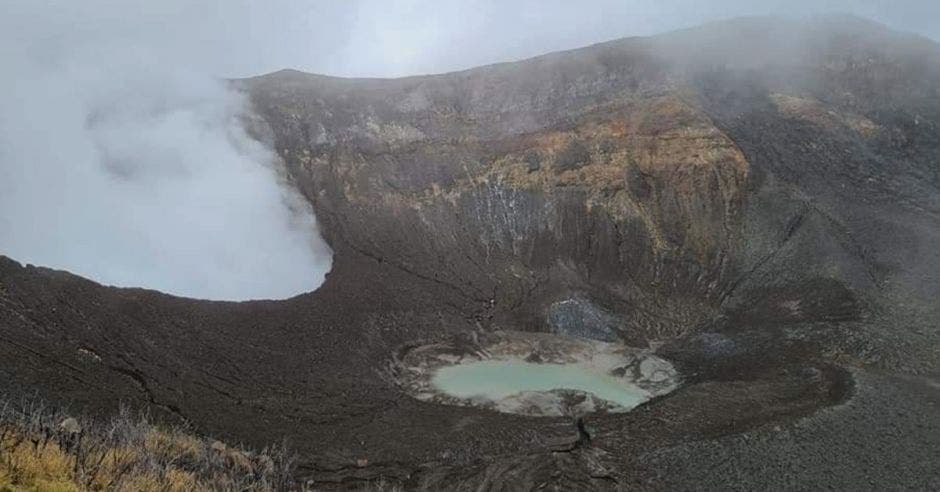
(124, 164)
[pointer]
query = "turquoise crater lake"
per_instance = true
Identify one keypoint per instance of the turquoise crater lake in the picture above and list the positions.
(500, 379)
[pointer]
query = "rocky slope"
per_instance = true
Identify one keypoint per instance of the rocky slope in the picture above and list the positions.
(757, 200)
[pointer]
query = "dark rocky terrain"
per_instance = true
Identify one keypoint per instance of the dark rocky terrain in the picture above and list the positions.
(758, 200)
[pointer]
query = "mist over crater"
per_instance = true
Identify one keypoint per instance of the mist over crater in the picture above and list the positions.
(133, 169)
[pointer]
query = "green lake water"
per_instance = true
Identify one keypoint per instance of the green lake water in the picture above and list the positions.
(495, 380)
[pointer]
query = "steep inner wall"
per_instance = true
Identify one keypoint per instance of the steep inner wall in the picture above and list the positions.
(653, 190)
(631, 199)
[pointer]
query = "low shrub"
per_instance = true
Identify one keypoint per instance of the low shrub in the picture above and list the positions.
(45, 448)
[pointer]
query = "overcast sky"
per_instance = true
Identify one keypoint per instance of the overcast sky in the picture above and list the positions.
(120, 154)
(400, 37)
(384, 38)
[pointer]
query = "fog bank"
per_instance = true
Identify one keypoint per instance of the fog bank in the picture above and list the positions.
(122, 165)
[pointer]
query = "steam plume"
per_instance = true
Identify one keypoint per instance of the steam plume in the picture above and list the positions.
(118, 164)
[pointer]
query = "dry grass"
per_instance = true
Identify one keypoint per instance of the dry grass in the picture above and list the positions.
(44, 449)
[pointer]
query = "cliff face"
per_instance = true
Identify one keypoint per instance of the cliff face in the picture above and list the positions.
(758, 201)
(674, 179)
(524, 185)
